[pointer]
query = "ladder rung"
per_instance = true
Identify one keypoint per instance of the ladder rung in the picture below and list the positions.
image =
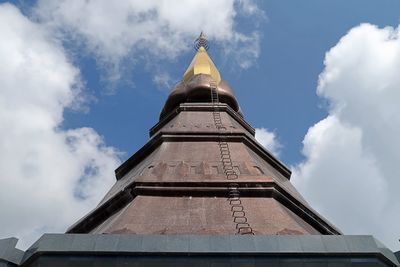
(237, 208)
(234, 197)
(235, 202)
(240, 220)
(245, 230)
(239, 214)
(242, 225)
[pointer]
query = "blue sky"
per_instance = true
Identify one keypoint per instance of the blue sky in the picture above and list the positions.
(282, 81)
(119, 73)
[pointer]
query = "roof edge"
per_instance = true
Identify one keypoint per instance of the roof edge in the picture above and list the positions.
(292, 247)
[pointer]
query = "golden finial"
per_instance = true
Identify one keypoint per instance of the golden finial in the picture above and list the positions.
(202, 63)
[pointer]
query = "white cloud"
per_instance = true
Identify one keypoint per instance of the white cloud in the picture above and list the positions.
(117, 32)
(248, 7)
(351, 171)
(49, 176)
(268, 140)
(163, 80)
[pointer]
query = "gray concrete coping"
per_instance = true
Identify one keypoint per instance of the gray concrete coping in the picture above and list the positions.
(8, 252)
(226, 245)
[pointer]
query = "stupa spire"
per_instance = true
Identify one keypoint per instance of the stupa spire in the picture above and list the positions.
(202, 63)
(196, 81)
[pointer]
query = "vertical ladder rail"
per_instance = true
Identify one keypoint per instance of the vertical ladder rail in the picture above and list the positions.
(237, 209)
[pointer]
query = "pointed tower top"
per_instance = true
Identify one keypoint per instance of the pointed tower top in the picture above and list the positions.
(195, 85)
(202, 63)
(201, 41)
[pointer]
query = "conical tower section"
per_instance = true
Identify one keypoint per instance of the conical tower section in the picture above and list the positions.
(203, 172)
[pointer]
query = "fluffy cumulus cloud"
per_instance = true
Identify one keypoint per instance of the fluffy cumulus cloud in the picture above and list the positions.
(351, 173)
(268, 140)
(49, 176)
(117, 32)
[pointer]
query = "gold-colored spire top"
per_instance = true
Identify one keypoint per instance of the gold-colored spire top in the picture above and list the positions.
(202, 63)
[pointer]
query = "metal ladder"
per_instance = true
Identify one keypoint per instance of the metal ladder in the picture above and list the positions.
(238, 213)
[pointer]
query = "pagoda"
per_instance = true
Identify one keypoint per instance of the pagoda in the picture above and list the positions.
(201, 192)
(203, 172)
